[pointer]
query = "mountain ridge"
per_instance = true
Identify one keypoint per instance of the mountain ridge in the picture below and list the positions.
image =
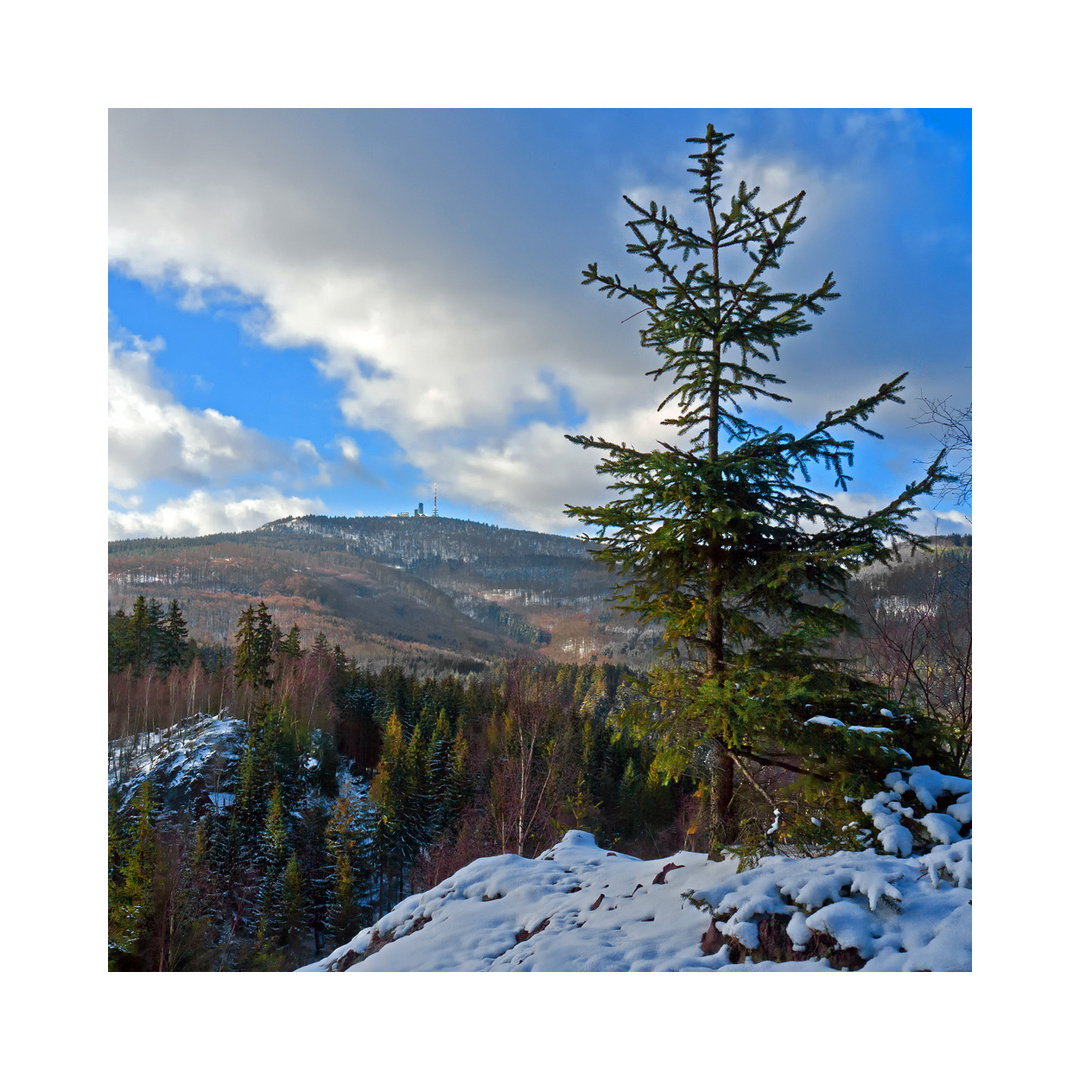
(382, 586)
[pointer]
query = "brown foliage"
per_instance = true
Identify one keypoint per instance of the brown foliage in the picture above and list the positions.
(469, 839)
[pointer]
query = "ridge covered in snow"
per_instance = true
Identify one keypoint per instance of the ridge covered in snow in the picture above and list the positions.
(902, 903)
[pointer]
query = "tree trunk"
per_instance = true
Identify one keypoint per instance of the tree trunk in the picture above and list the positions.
(723, 827)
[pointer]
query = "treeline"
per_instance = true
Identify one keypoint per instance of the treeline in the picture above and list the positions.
(158, 675)
(413, 541)
(149, 637)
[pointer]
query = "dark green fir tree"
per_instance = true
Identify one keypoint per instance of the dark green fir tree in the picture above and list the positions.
(720, 536)
(174, 649)
(144, 630)
(291, 645)
(255, 646)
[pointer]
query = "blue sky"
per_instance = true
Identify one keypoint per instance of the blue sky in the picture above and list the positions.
(331, 311)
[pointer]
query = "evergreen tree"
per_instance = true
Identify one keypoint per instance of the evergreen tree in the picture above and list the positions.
(120, 651)
(264, 646)
(174, 637)
(393, 793)
(291, 645)
(141, 635)
(314, 865)
(732, 551)
(280, 892)
(156, 646)
(341, 665)
(116, 885)
(255, 646)
(348, 840)
(245, 645)
(292, 912)
(437, 771)
(274, 851)
(460, 783)
(132, 891)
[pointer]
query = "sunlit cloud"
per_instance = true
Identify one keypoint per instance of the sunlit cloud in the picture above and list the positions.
(440, 317)
(202, 512)
(154, 437)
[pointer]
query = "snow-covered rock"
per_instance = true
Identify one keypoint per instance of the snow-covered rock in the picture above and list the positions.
(895, 906)
(190, 764)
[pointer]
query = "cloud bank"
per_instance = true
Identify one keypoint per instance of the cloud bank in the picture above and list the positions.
(444, 312)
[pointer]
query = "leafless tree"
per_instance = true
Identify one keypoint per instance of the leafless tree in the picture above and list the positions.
(953, 424)
(919, 647)
(531, 773)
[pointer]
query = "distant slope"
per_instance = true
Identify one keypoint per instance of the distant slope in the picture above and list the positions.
(438, 590)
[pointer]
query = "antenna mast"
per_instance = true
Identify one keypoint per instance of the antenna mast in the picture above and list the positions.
(435, 508)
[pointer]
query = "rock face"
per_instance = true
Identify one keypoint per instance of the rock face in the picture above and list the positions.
(191, 765)
(376, 942)
(776, 944)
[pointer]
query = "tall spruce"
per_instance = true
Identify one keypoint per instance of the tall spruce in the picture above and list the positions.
(144, 633)
(255, 646)
(719, 536)
(174, 637)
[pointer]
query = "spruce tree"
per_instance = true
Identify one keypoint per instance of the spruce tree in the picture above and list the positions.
(131, 893)
(264, 646)
(731, 549)
(279, 895)
(156, 619)
(255, 646)
(120, 649)
(245, 645)
(349, 834)
(292, 915)
(174, 637)
(291, 645)
(393, 794)
(459, 786)
(437, 769)
(141, 635)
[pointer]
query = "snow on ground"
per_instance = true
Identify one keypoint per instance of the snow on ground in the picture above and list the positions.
(188, 761)
(903, 903)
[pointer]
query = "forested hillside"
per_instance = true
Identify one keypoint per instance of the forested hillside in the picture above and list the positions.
(430, 593)
(320, 793)
(270, 797)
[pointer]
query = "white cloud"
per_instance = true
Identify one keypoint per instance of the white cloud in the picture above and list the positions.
(420, 329)
(350, 452)
(528, 477)
(154, 437)
(934, 520)
(201, 513)
(531, 474)
(441, 319)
